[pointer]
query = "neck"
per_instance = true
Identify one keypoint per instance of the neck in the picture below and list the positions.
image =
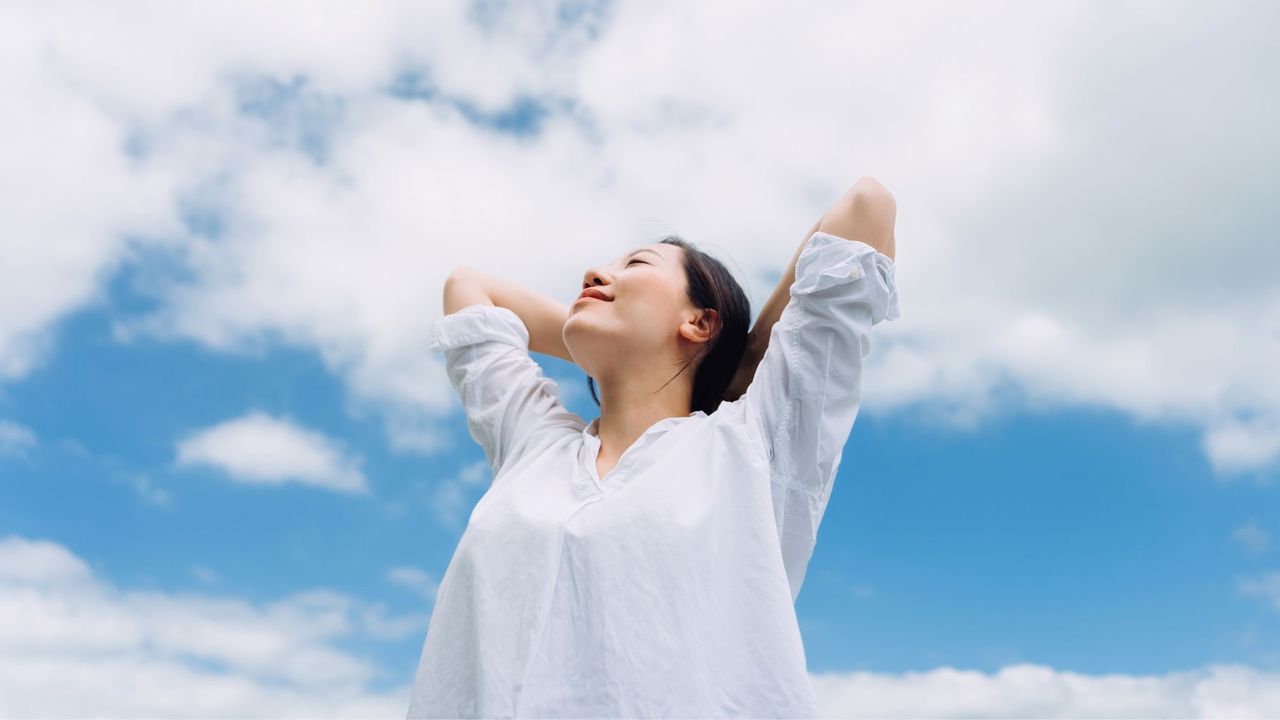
(631, 404)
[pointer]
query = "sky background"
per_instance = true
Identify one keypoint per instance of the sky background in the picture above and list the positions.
(232, 473)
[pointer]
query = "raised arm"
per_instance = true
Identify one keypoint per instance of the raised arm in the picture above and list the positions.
(866, 212)
(544, 316)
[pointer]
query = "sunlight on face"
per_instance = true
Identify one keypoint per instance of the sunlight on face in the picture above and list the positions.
(647, 303)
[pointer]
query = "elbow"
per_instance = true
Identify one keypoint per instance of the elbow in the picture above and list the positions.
(461, 271)
(867, 212)
(464, 287)
(870, 192)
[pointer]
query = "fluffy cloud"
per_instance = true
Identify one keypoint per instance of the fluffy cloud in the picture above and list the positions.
(15, 439)
(258, 449)
(72, 644)
(1026, 690)
(1265, 586)
(1251, 536)
(453, 497)
(415, 579)
(1082, 215)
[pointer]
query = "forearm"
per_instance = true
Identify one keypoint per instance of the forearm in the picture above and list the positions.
(758, 339)
(544, 316)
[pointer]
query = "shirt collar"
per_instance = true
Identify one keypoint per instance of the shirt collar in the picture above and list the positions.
(592, 430)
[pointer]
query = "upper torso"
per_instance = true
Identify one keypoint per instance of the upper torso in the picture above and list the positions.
(656, 590)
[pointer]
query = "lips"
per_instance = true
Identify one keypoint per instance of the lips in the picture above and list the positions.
(594, 293)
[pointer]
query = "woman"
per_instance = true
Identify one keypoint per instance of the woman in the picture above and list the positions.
(647, 564)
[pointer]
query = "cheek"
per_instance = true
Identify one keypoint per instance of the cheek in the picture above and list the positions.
(651, 304)
(649, 294)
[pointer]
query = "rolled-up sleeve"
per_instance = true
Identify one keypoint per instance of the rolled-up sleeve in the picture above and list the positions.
(504, 394)
(807, 388)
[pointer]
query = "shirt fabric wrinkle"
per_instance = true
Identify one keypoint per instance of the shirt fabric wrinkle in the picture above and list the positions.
(667, 587)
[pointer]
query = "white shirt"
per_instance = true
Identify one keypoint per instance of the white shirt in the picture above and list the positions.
(667, 587)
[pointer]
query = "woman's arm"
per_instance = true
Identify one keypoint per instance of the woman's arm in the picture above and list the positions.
(865, 212)
(758, 338)
(545, 317)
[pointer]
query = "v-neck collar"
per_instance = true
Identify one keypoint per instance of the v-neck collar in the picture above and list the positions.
(591, 442)
(592, 429)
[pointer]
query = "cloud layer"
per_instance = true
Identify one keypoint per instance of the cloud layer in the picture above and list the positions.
(1081, 219)
(73, 644)
(1027, 691)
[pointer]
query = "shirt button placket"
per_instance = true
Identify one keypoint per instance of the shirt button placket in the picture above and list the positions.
(620, 469)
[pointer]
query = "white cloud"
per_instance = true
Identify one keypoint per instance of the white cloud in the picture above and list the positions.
(144, 485)
(15, 439)
(262, 450)
(1264, 585)
(477, 474)
(447, 502)
(40, 564)
(1237, 445)
(204, 574)
(76, 206)
(415, 579)
(1081, 187)
(448, 498)
(72, 644)
(453, 497)
(1026, 690)
(110, 467)
(1251, 536)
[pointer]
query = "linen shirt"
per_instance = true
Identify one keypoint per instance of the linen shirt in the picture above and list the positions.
(665, 588)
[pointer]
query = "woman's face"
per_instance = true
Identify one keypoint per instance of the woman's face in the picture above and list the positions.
(646, 313)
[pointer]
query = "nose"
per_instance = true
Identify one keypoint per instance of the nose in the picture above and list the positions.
(592, 277)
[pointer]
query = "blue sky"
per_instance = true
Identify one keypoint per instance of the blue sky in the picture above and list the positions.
(1073, 539)
(229, 463)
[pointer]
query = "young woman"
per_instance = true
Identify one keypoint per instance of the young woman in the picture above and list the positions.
(646, 564)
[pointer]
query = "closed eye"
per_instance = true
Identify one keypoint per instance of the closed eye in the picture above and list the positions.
(637, 261)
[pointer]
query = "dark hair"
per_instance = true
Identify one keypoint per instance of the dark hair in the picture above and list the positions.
(711, 286)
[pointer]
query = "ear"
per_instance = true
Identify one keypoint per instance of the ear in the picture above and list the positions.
(702, 327)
